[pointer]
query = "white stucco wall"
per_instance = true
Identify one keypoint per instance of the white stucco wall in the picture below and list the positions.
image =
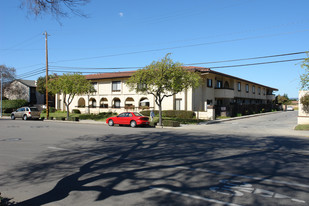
(303, 115)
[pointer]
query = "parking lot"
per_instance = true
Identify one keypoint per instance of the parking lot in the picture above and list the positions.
(256, 161)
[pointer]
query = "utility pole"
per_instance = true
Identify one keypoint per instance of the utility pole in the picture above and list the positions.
(46, 54)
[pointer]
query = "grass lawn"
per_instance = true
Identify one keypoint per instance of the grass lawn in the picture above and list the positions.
(302, 127)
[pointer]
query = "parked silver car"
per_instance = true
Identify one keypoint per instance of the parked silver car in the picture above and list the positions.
(26, 113)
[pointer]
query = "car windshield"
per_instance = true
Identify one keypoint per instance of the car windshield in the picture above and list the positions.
(138, 114)
(34, 109)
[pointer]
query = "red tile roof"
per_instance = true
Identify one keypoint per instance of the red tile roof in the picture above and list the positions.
(113, 75)
(110, 75)
(126, 74)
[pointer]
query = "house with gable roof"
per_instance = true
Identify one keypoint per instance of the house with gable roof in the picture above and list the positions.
(23, 89)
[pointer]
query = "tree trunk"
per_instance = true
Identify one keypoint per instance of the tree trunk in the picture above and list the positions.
(160, 114)
(68, 113)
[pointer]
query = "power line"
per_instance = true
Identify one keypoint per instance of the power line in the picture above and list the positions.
(245, 59)
(179, 47)
(253, 64)
(212, 62)
(31, 73)
(21, 43)
(96, 68)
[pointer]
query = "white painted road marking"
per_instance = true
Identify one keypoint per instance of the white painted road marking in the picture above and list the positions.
(237, 189)
(194, 196)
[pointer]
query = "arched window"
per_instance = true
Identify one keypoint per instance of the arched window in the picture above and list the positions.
(144, 102)
(81, 102)
(116, 103)
(226, 85)
(92, 103)
(103, 103)
(129, 103)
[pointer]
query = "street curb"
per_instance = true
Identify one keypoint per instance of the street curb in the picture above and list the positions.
(242, 117)
(77, 122)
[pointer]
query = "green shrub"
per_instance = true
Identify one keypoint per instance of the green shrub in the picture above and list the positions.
(52, 109)
(10, 105)
(102, 115)
(75, 111)
(171, 113)
(147, 113)
(170, 123)
(73, 119)
(60, 118)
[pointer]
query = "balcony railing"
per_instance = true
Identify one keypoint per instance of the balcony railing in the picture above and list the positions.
(224, 93)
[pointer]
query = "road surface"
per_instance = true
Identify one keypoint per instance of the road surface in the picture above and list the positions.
(256, 161)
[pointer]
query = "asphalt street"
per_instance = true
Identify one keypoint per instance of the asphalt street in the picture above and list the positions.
(254, 161)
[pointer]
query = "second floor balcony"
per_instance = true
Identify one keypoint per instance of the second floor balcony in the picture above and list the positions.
(227, 93)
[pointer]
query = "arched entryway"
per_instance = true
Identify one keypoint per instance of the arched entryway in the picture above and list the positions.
(81, 103)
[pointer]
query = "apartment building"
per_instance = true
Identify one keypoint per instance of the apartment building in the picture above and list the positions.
(217, 91)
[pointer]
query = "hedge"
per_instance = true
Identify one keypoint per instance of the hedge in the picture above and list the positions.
(170, 123)
(172, 113)
(11, 105)
(97, 116)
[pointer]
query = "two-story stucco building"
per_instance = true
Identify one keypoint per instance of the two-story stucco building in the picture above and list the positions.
(217, 89)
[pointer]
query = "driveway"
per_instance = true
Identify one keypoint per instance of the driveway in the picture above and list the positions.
(278, 123)
(243, 162)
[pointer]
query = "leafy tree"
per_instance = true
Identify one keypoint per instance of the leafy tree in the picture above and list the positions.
(304, 78)
(283, 99)
(162, 79)
(41, 83)
(57, 8)
(70, 85)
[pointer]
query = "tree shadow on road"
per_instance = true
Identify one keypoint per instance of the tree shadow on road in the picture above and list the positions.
(119, 165)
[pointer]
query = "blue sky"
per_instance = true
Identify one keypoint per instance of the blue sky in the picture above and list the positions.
(123, 33)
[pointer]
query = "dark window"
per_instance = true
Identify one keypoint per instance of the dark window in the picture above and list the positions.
(239, 86)
(259, 90)
(247, 88)
(209, 82)
(219, 84)
(116, 86)
(178, 104)
(253, 89)
(117, 103)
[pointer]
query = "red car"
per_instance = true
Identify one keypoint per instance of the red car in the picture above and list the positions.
(128, 118)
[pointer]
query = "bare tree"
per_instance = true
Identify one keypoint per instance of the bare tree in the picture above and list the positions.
(57, 8)
(8, 74)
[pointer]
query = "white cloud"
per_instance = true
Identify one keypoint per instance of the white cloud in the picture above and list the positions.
(121, 14)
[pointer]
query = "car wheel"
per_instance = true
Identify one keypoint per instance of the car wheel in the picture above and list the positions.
(25, 117)
(12, 117)
(133, 123)
(110, 123)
